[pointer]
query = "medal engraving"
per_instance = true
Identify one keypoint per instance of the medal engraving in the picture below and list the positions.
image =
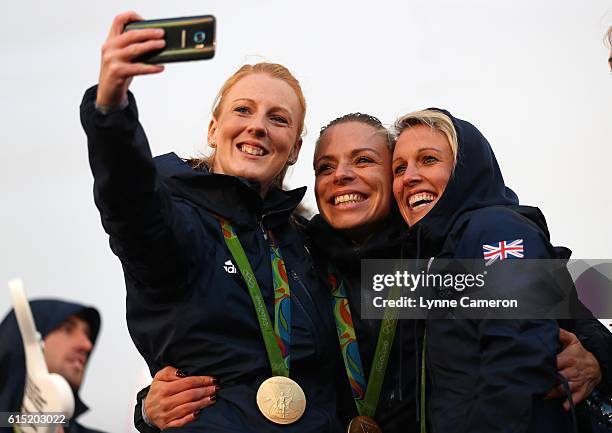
(363, 424)
(281, 400)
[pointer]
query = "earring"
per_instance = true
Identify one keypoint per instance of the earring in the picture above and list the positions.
(213, 143)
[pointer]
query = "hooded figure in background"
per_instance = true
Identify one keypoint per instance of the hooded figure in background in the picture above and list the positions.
(69, 332)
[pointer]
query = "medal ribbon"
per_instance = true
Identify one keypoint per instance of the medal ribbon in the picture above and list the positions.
(278, 339)
(347, 338)
(366, 398)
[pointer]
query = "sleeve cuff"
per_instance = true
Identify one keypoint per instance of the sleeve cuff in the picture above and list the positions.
(145, 418)
(142, 423)
(108, 109)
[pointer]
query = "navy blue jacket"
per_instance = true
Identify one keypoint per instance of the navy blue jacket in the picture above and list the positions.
(183, 308)
(398, 404)
(48, 315)
(487, 375)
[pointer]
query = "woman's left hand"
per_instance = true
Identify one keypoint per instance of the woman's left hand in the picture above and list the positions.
(175, 399)
(578, 366)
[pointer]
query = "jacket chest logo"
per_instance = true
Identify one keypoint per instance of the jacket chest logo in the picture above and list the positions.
(229, 267)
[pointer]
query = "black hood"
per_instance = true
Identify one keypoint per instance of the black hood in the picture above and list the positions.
(48, 315)
(476, 183)
(231, 197)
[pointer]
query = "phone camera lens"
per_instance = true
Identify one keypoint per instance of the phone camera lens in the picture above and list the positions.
(199, 37)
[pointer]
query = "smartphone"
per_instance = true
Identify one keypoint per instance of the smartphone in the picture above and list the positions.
(187, 38)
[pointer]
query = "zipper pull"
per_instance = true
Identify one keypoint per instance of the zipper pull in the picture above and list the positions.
(263, 230)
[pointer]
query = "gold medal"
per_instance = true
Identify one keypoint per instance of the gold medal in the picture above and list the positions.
(363, 424)
(281, 400)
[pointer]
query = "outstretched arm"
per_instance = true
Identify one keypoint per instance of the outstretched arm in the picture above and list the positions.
(147, 230)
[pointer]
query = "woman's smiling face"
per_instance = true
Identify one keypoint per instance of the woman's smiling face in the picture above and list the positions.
(422, 165)
(256, 131)
(353, 177)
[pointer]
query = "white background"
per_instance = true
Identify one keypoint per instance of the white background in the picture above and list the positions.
(532, 75)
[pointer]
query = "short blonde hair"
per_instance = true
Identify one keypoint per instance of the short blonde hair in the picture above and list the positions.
(273, 70)
(434, 119)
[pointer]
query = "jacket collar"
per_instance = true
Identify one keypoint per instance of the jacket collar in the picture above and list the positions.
(79, 407)
(332, 246)
(230, 197)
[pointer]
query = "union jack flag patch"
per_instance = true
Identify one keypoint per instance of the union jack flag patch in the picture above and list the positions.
(502, 250)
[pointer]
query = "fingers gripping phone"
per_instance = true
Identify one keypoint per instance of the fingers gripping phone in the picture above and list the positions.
(188, 38)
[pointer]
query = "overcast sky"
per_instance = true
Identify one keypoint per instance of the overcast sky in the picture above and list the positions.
(531, 75)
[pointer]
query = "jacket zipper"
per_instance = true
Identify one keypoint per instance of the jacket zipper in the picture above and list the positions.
(297, 279)
(316, 335)
(262, 228)
(260, 220)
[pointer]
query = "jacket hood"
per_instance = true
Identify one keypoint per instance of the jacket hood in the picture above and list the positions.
(476, 183)
(231, 197)
(48, 315)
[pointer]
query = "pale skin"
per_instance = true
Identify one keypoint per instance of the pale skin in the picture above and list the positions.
(66, 351)
(171, 402)
(116, 73)
(118, 51)
(259, 112)
(578, 366)
(353, 179)
(336, 163)
(422, 161)
(339, 169)
(256, 133)
(422, 165)
(175, 400)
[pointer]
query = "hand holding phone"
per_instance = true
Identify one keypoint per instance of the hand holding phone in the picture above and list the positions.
(136, 47)
(118, 53)
(188, 38)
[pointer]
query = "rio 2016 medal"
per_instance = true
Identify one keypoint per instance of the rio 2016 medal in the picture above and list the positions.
(281, 400)
(363, 424)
